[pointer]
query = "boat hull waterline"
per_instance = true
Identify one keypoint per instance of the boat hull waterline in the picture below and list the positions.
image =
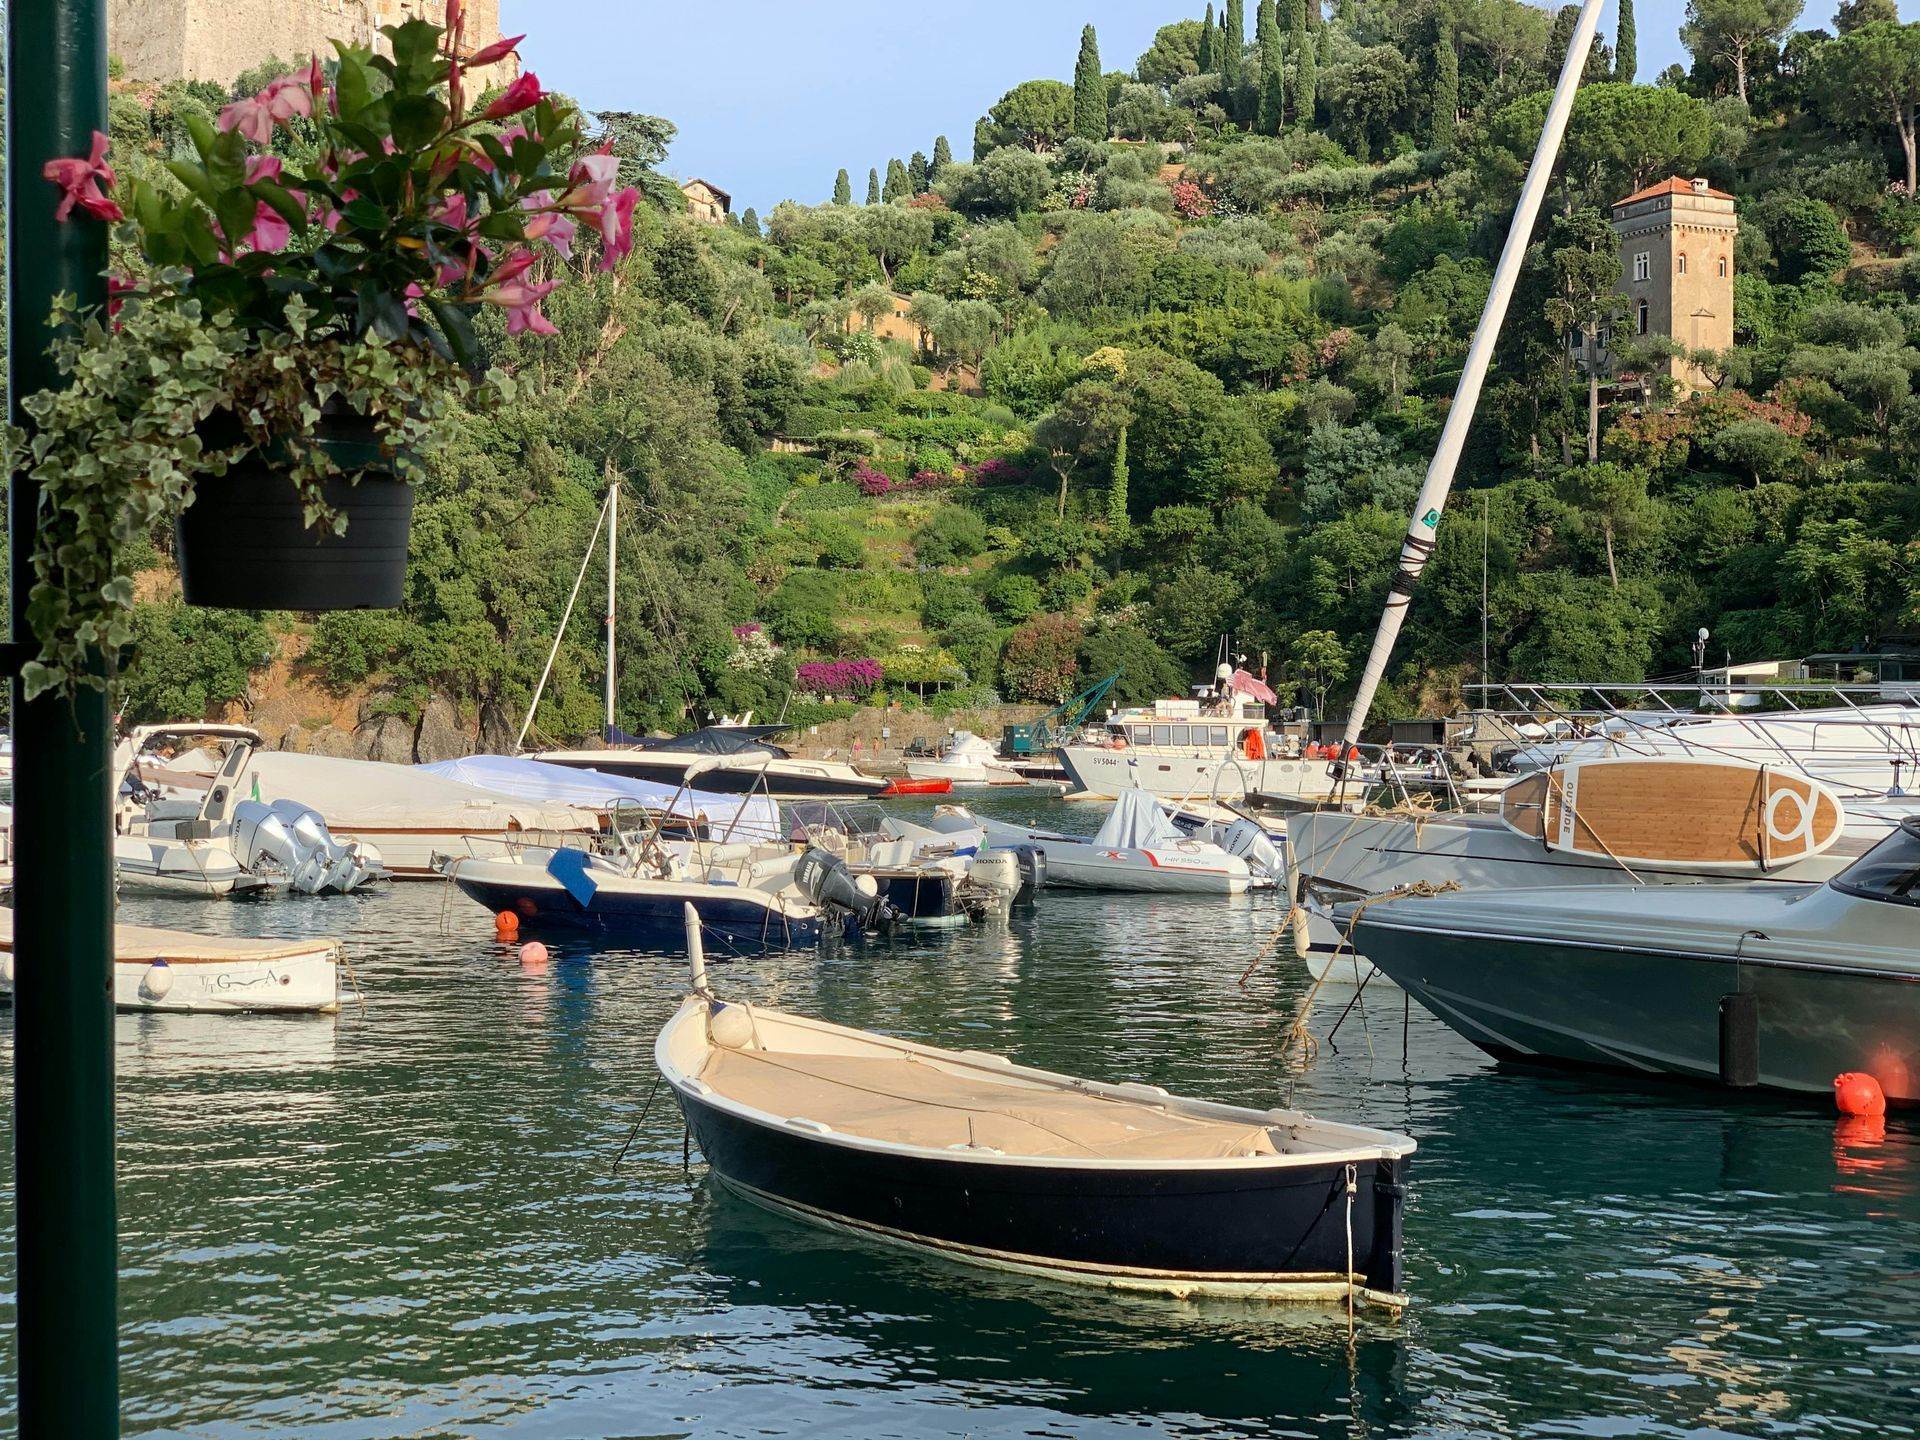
(742, 917)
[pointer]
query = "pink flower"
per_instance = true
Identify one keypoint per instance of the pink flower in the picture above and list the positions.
(616, 227)
(549, 224)
(509, 288)
(270, 231)
(523, 94)
(263, 167)
(483, 161)
(77, 180)
(284, 98)
(592, 180)
(118, 285)
(499, 50)
(452, 212)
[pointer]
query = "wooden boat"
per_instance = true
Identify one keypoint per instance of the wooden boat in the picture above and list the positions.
(1694, 814)
(174, 971)
(968, 1156)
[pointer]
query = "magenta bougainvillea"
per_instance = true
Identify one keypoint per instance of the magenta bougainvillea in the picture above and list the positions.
(838, 677)
(1191, 201)
(996, 472)
(871, 481)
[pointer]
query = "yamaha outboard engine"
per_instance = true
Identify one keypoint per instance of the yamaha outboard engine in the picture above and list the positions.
(1033, 870)
(823, 878)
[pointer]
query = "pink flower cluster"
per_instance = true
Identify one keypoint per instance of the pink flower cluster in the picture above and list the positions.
(741, 632)
(996, 472)
(838, 677)
(1190, 202)
(871, 481)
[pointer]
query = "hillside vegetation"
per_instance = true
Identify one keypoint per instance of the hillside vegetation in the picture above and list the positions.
(1190, 331)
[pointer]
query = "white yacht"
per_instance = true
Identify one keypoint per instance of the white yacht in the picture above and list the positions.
(1214, 747)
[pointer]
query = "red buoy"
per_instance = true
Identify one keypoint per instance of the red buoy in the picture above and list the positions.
(1856, 1093)
(506, 924)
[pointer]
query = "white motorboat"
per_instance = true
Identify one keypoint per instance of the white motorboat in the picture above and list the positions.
(1783, 986)
(966, 759)
(173, 971)
(1137, 850)
(212, 842)
(730, 759)
(1671, 821)
(407, 814)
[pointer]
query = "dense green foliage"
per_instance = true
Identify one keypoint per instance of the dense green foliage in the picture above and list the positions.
(1185, 376)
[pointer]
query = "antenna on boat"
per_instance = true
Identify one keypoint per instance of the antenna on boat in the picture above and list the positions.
(1425, 524)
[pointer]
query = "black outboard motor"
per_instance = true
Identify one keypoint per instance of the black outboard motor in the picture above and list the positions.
(823, 878)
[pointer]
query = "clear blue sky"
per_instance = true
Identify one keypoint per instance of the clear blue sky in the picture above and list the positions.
(771, 99)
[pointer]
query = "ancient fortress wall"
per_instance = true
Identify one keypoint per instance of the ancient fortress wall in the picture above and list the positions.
(217, 39)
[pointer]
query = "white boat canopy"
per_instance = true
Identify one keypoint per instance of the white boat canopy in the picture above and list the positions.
(755, 817)
(1137, 823)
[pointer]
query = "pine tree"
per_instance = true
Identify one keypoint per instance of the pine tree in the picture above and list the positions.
(1446, 85)
(1271, 113)
(1117, 520)
(1626, 46)
(842, 188)
(873, 187)
(1306, 77)
(1206, 42)
(942, 157)
(898, 187)
(1089, 90)
(750, 222)
(1236, 44)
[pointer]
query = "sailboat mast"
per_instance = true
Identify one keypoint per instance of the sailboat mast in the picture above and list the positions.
(1486, 534)
(613, 577)
(1425, 524)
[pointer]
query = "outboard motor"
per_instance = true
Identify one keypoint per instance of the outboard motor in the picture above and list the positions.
(1253, 845)
(1033, 870)
(824, 879)
(261, 840)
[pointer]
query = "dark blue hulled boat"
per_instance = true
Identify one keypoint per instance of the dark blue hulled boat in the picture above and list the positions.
(966, 1155)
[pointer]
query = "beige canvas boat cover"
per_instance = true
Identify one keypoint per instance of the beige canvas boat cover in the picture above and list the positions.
(139, 945)
(913, 1102)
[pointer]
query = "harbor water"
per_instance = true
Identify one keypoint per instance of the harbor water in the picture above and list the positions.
(410, 1221)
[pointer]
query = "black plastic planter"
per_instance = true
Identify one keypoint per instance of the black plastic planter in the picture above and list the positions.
(244, 543)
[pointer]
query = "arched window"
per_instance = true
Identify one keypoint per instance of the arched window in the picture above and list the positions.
(1681, 266)
(1640, 318)
(1723, 267)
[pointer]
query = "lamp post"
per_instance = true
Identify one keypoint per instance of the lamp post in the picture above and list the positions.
(64, 1322)
(1700, 665)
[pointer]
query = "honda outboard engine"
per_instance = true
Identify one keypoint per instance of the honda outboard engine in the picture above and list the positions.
(823, 878)
(1253, 845)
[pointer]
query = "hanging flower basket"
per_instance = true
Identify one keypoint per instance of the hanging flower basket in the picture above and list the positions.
(287, 338)
(245, 542)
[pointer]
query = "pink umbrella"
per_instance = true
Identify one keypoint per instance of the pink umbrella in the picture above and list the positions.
(1247, 685)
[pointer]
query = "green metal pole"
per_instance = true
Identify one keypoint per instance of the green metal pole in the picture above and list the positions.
(65, 1329)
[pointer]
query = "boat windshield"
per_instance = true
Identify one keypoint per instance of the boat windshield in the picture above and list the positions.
(1890, 871)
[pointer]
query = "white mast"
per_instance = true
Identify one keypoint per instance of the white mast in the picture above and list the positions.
(1418, 546)
(613, 576)
(559, 634)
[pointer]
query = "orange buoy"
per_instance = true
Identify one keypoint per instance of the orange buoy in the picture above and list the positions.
(506, 923)
(1856, 1093)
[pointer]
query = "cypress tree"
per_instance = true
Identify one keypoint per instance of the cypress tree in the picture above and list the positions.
(873, 187)
(917, 173)
(1263, 18)
(842, 188)
(942, 157)
(1206, 42)
(1089, 90)
(750, 222)
(1236, 44)
(897, 187)
(1306, 77)
(1117, 520)
(1271, 113)
(1346, 12)
(1301, 42)
(1626, 46)
(1446, 86)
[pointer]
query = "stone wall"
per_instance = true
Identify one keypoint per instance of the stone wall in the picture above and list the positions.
(217, 39)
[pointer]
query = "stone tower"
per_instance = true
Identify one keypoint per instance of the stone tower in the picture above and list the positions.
(217, 39)
(1676, 267)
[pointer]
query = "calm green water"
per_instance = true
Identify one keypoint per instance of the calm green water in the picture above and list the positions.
(409, 1223)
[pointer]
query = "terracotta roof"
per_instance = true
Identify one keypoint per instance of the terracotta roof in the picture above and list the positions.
(1674, 186)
